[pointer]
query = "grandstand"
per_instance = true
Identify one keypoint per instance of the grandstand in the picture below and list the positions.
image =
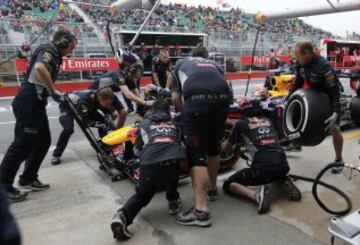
(230, 32)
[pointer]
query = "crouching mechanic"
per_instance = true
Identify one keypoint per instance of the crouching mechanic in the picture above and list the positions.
(88, 102)
(160, 151)
(200, 83)
(125, 81)
(269, 163)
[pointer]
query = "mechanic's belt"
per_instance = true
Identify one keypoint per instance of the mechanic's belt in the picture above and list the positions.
(207, 97)
(166, 163)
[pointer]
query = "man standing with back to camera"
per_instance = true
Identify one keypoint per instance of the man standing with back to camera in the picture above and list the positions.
(200, 83)
(32, 134)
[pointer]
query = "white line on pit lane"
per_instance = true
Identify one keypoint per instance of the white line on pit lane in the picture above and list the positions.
(9, 107)
(13, 122)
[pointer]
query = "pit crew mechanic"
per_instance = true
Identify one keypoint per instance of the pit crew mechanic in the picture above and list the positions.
(314, 71)
(269, 164)
(32, 134)
(125, 81)
(158, 145)
(87, 102)
(201, 84)
(161, 70)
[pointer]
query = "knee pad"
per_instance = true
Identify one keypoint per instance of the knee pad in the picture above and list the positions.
(226, 187)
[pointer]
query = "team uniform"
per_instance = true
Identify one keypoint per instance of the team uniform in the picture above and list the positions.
(159, 149)
(113, 80)
(83, 101)
(161, 69)
(269, 161)
(32, 134)
(206, 96)
(319, 74)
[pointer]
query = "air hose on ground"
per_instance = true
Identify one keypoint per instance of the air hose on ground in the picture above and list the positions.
(317, 181)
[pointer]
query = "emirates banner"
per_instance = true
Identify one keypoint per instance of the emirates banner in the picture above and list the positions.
(77, 64)
(262, 59)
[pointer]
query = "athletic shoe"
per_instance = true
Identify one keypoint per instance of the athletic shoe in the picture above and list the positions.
(292, 191)
(263, 199)
(119, 227)
(16, 195)
(292, 147)
(174, 206)
(194, 217)
(55, 160)
(337, 170)
(212, 195)
(35, 185)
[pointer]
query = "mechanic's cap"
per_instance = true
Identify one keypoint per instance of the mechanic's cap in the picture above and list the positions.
(249, 107)
(127, 59)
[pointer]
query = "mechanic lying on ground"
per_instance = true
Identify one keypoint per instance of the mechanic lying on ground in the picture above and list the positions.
(269, 162)
(160, 151)
(88, 103)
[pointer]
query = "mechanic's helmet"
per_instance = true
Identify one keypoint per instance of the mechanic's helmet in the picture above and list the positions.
(249, 107)
(151, 92)
(127, 60)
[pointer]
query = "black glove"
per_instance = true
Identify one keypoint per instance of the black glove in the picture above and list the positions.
(57, 95)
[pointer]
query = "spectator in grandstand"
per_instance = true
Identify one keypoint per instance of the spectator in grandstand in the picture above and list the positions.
(161, 70)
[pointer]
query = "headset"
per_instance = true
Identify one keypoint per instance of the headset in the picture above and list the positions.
(65, 41)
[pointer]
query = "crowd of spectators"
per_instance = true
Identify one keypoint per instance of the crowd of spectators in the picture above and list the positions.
(178, 17)
(32, 16)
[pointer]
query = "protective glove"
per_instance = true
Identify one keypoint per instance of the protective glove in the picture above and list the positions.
(149, 103)
(57, 95)
(331, 121)
(83, 109)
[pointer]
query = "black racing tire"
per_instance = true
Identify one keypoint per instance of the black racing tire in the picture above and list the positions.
(304, 116)
(228, 159)
(355, 110)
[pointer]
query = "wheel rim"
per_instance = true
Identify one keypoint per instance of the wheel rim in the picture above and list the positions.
(294, 116)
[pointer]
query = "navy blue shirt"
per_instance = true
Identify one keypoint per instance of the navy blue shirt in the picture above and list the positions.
(198, 76)
(113, 80)
(158, 139)
(48, 55)
(320, 75)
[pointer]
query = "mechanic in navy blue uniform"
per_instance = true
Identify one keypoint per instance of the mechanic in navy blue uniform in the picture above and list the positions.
(9, 231)
(202, 94)
(161, 70)
(314, 71)
(125, 81)
(269, 164)
(32, 134)
(158, 146)
(87, 102)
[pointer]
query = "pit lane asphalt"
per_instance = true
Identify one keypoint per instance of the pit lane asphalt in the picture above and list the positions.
(79, 206)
